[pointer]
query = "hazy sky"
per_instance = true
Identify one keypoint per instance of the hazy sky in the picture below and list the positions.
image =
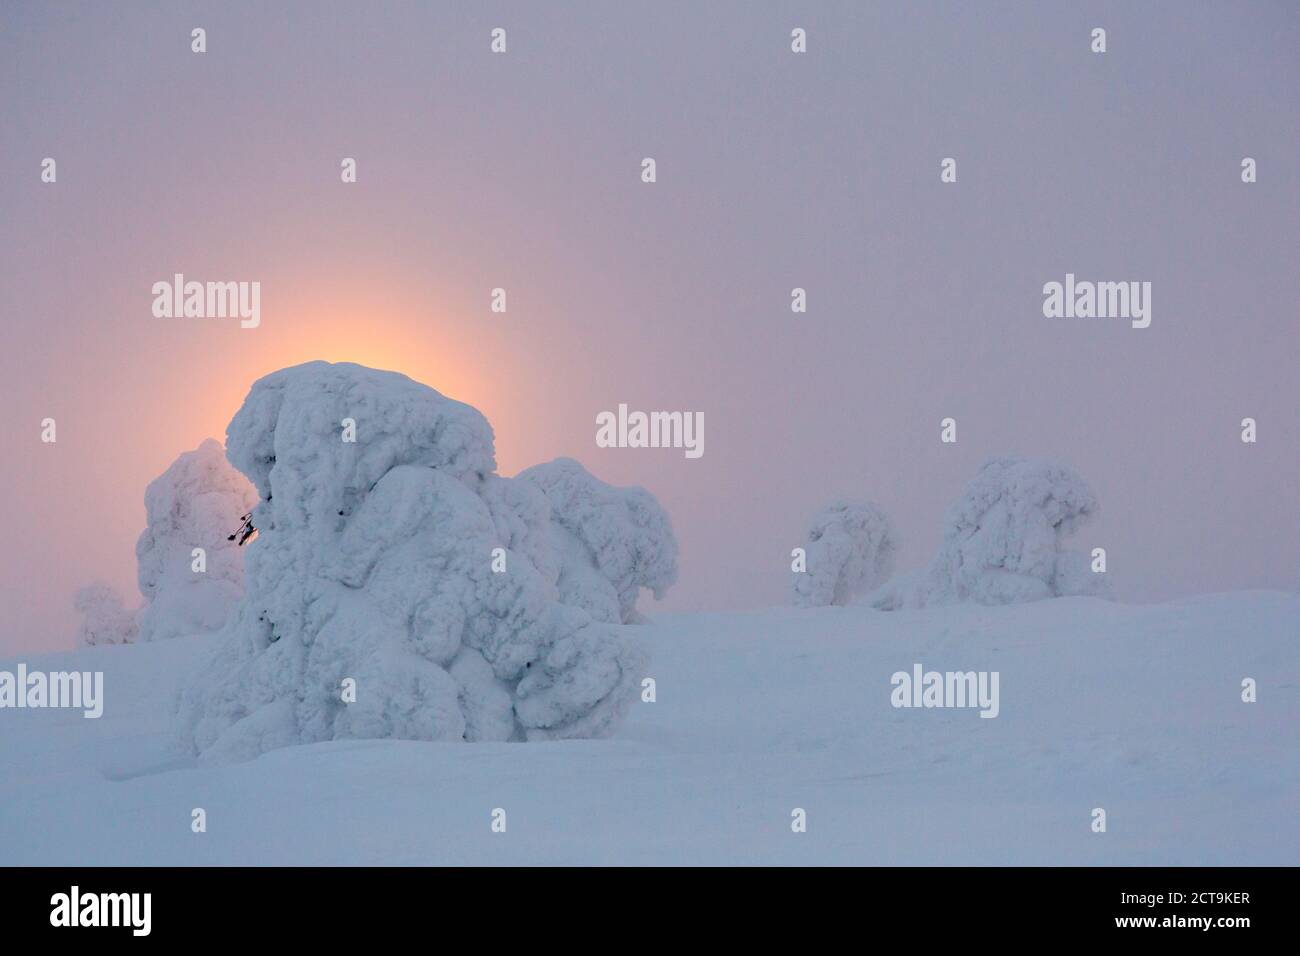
(775, 170)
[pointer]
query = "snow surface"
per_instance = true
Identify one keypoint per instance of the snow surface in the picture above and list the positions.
(1136, 709)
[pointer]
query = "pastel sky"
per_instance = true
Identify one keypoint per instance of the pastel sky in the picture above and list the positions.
(775, 170)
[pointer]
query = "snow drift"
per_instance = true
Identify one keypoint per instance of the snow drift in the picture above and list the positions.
(397, 586)
(196, 503)
(850, 550)
(1002, 541)
(609, 542)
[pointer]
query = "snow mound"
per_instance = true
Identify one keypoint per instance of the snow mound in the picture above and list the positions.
(376, 603)
(851, 548)
(196, 503)
(609, 542)
(1002, 541)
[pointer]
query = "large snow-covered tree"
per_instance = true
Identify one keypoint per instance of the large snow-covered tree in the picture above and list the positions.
(1003, 541)
(195, 504)
(396, 587)
(850, 550)
(609, 542)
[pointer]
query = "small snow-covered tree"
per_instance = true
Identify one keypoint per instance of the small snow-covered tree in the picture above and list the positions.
(374, 561)
(196, 503)
(609, 542)
(1003, 540)
(105, 620)
(850, 551)
(1074, 577)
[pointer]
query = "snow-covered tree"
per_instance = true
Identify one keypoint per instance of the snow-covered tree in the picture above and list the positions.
(392, 590)
(195, 504)
(105, 620)
(850, 551)
(609, 542)
(1074, 577)
(1003, 541)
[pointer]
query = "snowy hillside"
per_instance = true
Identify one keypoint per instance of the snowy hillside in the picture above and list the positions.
(1134, 709)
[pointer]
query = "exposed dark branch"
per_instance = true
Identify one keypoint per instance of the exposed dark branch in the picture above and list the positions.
(246, 530)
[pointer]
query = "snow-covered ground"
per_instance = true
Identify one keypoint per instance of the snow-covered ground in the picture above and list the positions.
(1135, 709)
